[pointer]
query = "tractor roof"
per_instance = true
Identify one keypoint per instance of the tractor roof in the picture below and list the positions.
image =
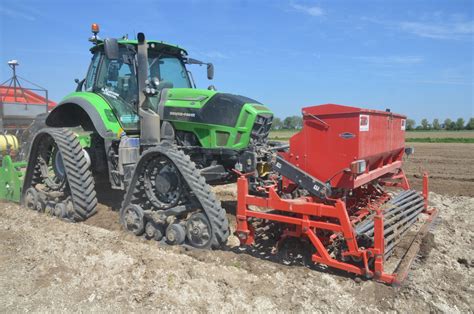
(158, 46)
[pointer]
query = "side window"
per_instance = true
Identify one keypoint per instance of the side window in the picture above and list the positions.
(118, 77)
(92, 71)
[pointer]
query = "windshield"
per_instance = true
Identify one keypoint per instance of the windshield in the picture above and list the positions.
(170, 69)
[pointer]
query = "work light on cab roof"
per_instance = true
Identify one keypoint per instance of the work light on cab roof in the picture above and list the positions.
(95, 30)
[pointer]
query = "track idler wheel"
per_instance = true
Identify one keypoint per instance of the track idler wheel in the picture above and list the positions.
(133, 219)
(198, 231)
(175, 234)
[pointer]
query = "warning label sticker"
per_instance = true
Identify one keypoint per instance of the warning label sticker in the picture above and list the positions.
(404, 124)
(364, 122)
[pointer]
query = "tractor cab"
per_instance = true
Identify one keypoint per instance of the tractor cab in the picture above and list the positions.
(112, 74)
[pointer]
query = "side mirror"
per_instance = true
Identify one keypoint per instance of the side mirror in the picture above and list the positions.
(210, 71)
(111, 48)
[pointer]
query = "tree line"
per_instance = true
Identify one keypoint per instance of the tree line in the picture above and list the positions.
(288, 123)
(296, 122)
(436, 124)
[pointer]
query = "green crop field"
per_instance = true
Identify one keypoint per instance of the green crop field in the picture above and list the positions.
(412, 136)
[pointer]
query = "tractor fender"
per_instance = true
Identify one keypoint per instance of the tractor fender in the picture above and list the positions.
(79, 111)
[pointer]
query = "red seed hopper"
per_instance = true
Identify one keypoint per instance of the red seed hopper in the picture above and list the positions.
(340, 186)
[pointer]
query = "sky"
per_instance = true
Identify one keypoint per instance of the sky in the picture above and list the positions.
(414, 57)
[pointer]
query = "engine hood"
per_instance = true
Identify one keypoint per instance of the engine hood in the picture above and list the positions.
(206, 106)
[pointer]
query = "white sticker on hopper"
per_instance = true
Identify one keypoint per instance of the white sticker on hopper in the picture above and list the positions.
(363, 122)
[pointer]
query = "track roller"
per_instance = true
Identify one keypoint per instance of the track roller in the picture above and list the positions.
(175, 234)
(154, 231)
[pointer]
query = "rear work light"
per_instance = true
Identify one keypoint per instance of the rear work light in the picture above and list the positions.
(358, 166)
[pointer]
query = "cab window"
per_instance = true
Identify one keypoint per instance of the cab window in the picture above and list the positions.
(91, 73)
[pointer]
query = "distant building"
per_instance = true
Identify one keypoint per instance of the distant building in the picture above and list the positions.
(19, 105)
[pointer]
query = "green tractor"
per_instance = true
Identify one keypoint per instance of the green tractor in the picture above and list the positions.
(138, 122)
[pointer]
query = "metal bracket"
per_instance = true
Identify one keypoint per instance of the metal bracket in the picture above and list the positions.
(303, 179)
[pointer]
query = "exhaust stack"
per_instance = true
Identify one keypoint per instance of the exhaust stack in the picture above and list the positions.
(149, 120)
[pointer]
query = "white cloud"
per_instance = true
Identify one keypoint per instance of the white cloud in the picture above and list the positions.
(391, 60)
(212, 54)
(215, 55)
(445, 82)
(456, 30)
(311, 10)
(16, 14)
(452, 27)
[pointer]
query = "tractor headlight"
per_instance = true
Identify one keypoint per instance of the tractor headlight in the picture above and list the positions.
(358, 166)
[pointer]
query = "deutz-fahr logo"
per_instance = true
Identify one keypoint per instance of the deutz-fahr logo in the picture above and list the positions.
(182, 114)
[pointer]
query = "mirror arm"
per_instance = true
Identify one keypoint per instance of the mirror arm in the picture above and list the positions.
(80, 84)
(190, 74)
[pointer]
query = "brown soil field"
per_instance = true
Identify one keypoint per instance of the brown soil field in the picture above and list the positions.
(440, 134)
(47, 265)
(450, 167)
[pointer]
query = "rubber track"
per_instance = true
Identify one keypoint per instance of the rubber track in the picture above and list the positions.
(196, 183)
(79, 177)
